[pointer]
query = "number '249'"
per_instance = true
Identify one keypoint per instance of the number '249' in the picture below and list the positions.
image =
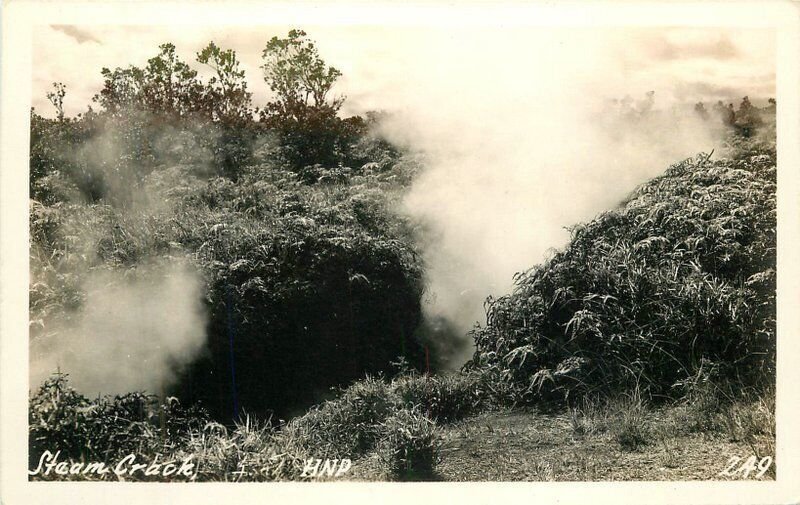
(747, 466)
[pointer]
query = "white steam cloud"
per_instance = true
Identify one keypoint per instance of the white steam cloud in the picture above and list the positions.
(522, 140)
(132, 333)
(135, 328)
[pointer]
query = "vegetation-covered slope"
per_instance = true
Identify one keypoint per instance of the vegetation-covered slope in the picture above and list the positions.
(677, 283)
(671, 295)
(309, 278)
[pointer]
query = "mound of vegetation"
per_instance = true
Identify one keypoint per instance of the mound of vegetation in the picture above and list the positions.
(308, 287)
(676, 286)
(311, 280)
(315, 288)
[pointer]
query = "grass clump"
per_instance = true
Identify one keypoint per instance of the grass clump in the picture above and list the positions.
(249, 451)
(630, 429)
(445, 398)
(347, 426)
(752, 420)
(408, 445)
(625, 418)
(590, 417)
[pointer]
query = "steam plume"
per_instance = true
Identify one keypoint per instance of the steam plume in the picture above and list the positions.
(522, 140)
(131, 334)
(135, 328)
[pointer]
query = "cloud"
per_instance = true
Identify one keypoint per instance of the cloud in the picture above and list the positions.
(664, 49)
(79, 35)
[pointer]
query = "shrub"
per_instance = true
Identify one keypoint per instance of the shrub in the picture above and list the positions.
(107, 428)
(408, 445)
(59, 417)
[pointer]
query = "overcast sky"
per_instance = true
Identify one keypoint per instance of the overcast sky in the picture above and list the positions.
(383, 66)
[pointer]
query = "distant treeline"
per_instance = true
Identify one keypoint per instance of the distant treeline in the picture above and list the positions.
(744, 121)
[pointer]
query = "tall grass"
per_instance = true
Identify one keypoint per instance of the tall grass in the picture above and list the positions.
(408, 445)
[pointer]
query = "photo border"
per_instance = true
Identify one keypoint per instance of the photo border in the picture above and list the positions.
(19, 19)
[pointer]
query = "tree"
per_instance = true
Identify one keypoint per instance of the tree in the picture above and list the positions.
(303, 114)
(228, 104)
(747, 118)
(297, 75)
(152, 107)
(170, 84)
(121, 88)
(166, 86)
(56, 97)
(700, 110)
(227, 91)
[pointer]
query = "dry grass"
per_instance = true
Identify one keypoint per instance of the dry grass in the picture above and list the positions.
(532, 446)
(623, 417)
(752, 421)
